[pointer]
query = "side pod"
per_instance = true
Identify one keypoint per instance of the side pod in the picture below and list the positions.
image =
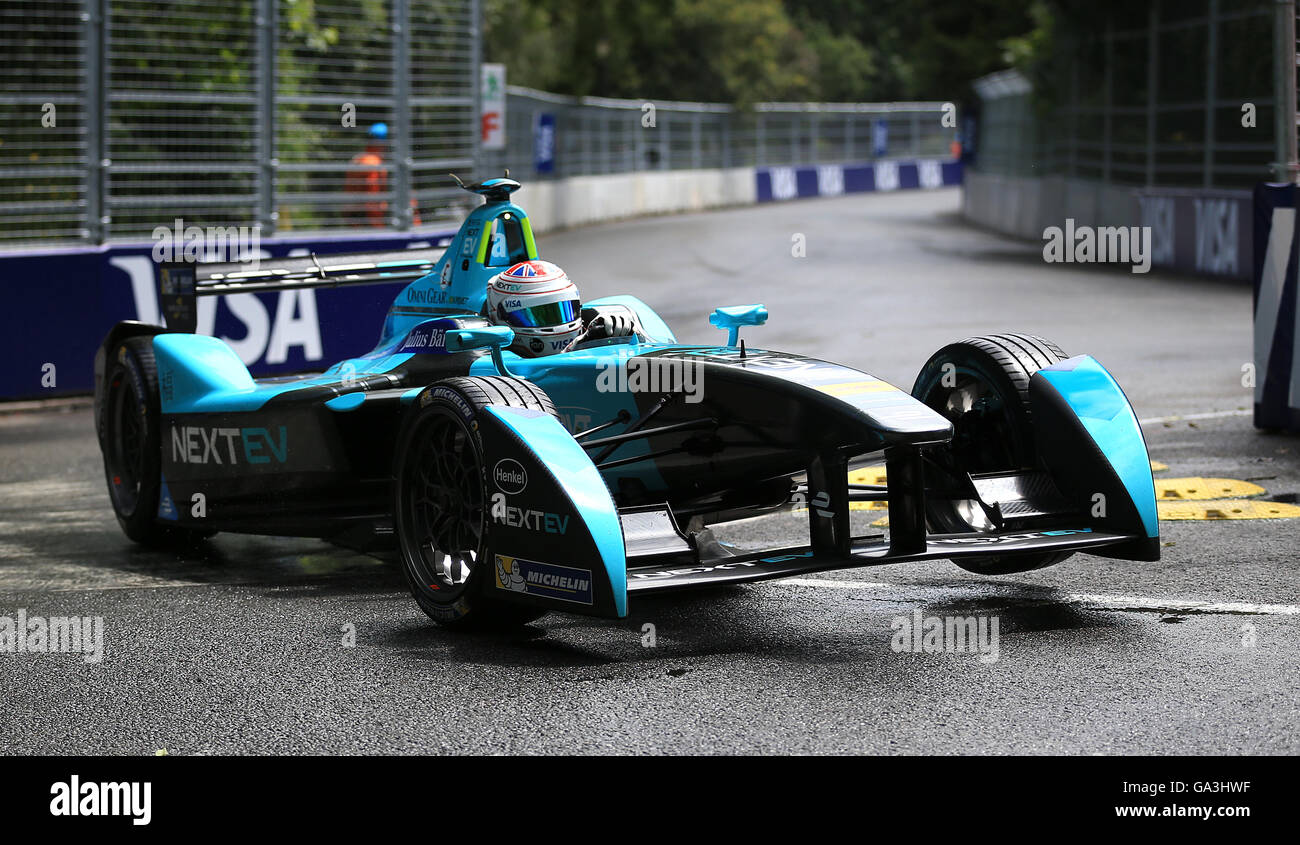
(1091, 443)
(554, 529)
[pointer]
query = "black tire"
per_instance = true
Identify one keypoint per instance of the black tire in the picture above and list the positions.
(439, 496)
(987, 400)
(130, 445)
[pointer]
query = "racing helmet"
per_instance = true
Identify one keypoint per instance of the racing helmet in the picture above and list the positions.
(538, 301)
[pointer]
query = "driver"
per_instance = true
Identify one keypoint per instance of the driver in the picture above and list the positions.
(539, 301)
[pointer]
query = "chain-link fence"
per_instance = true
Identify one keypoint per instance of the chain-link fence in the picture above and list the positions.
(118, 116)
(122, 116)
(548, 135)
(1157, 94)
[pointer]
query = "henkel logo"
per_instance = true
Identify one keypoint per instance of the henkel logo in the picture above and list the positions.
(510, 476)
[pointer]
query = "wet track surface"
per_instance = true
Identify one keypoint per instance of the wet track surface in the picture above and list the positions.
(237, 647)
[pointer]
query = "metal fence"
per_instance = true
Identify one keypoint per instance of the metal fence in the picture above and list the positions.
(118, 116)
(1161, 94)
(553, 136)
(121, 116)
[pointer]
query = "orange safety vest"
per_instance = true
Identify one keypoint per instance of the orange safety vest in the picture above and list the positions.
(373, 180)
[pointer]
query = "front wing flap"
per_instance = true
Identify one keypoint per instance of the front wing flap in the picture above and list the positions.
(781, 563)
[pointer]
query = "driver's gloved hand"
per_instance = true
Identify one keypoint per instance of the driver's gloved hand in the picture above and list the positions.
(610, 325)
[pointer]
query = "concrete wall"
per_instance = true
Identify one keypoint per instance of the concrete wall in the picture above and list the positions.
(1023, 207)
(581, 200)
(1192, 230)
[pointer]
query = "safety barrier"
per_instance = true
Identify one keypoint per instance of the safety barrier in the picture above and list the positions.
(60, 303)
(1277, 313)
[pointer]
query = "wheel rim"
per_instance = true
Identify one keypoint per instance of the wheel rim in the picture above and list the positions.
(984, 437)
(128, 444)
(445, 519)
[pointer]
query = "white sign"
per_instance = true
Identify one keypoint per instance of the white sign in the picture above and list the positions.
(493, 119)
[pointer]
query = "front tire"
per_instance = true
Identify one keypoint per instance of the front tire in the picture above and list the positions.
(981, 385)
(440, 511)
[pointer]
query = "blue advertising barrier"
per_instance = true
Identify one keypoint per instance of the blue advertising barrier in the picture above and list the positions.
(828, 180)
(1277, 318)
(59, 304)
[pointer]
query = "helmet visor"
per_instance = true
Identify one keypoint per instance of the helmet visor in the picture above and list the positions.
(544, 316)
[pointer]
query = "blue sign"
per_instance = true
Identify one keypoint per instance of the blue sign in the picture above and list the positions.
(544, 143)
(880, 137)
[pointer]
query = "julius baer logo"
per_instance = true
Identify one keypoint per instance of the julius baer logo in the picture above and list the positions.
(192, 444)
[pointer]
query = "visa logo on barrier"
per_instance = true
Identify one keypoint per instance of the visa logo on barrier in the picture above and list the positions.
(197, 445)
(267, 335)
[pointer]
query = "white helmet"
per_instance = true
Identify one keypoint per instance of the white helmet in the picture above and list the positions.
(537, 300)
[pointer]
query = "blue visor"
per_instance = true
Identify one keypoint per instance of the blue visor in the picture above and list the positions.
(543, 316)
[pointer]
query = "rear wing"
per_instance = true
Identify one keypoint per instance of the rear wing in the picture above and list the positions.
(181, 284)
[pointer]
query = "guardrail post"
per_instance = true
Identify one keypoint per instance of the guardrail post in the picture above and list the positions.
(267, 24)
(638, 139)
(1108, 101)
(400, 209)
(665, 140)
(724, 123)
(1284, 90)
(1211, 83)
(697, 142)
(606, 165)
(1153, 79)
(814, 136)
(476, 86)
(92, 19)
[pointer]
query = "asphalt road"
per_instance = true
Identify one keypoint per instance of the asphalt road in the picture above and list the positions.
(238, 648)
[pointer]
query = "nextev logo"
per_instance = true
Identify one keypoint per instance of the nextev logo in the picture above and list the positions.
(215, 243)
(1107, 244)
(533, 520)
(198, 445)
(652, 375)
(74, 798)
(951, 634)
(23, 634)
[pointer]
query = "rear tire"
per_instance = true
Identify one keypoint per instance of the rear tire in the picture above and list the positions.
(130, 445)
(440, 495)
(986, 397)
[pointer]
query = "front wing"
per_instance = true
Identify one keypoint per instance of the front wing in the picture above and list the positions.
(868, 551)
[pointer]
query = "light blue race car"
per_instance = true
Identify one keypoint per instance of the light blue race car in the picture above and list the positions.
(512, 486)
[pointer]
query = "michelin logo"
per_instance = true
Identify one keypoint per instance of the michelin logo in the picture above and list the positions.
(544, 580)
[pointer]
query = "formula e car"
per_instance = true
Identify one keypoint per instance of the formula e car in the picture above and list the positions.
(510, 486)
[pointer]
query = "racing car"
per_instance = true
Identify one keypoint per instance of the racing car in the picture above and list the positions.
(510, 486)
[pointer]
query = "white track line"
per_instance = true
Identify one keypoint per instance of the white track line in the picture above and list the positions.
(1101, 602)
(1208, 415)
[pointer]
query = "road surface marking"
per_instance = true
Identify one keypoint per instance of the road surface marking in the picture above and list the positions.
(1209, 415)
(1096, 600)
(1196, 489)
(1227, 509)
